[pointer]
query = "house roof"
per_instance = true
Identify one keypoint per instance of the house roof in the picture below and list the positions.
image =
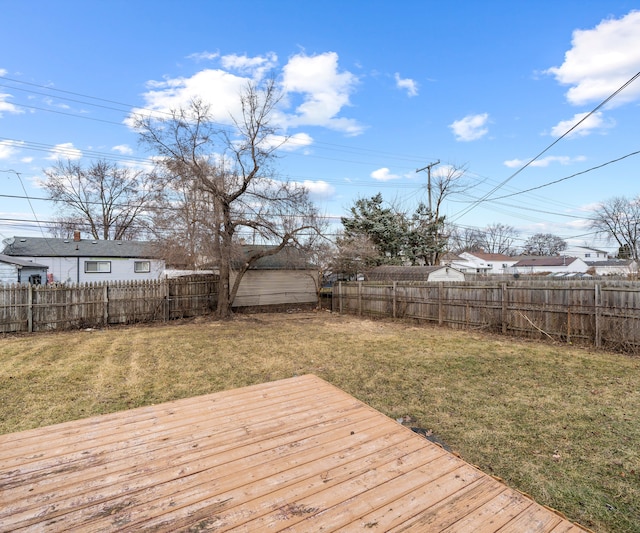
(611, 262)
(45, 247)
(289, 258)
(589, 249)
(545, 261)
(404, 273)
(20, 262)
(492, 257)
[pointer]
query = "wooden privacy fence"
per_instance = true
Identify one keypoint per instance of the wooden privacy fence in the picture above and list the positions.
(602, 313)
(28, 308)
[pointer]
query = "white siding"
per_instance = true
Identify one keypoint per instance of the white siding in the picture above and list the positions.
(273, 287)
(71, 269)
(446, 274)
(8, 274)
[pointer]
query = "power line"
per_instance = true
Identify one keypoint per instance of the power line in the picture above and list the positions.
(594, 110)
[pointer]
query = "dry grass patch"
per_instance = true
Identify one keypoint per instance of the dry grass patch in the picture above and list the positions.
(558, 422)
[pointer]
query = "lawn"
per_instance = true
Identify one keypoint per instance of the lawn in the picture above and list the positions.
(558, 422)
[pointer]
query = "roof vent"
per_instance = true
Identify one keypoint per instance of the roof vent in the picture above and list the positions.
(66, 241)
(94, 242)
(23, 240)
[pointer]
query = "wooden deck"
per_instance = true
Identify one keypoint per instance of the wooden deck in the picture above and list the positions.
(296, 455)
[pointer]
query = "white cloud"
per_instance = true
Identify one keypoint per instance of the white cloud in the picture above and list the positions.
(595, 121)
(251, 66)
(9, 148)
(319, 189)
(411, 86)
(324, 89)
(471, 127)
(291, 143)
(384, 174)
(546, 161)
(216, 87)
(601, 60)
(64, 151)
(123, 149)
(8, 107)
(315, 91)
(204, 56)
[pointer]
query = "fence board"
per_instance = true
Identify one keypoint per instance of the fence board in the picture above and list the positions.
(600, 312)
(26, 308)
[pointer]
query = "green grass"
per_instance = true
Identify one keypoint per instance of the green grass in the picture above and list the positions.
(558, 422)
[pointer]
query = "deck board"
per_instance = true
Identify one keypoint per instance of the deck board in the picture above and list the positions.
(290, 455)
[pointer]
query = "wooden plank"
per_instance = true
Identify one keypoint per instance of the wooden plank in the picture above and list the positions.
(294, 455)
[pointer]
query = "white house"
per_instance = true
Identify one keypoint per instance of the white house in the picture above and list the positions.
(87, 260)
(414, 273)
(549, 265)
(588, 255)
(482, 263)
(614, 267)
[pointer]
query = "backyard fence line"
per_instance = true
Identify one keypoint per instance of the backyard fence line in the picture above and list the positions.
(601, 313)
(30, 308)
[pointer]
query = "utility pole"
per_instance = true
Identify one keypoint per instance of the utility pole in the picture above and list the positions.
(428, 169)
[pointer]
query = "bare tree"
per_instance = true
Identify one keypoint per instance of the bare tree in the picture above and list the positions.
(447, 181)
(498, 238)
(355, 255)
(231, 169)
(618, 220)
(543, 244)
(108, 201)
(465, 239)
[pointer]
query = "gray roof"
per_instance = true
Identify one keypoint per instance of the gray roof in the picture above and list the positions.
(20, 262)
(289, 258)
(545, 261)
(43, 247)
(402, 273)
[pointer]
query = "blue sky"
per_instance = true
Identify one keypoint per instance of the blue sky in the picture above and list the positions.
(373, 90)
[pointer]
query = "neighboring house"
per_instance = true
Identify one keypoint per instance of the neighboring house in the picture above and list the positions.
(282, 279)
(614, 267)
(15, 270)
(87, 260)
(588, 255)
(549, 265)
(481, 263)
(414, 273)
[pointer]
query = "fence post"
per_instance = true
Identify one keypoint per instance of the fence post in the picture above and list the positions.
(504, 308)
(598, 304)
(105, 299)
(395, 287)
(340, 296)
(30, 309)
(167, 299)
(440, 310)
(359, 298)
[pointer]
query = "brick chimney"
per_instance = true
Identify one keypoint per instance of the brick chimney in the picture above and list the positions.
(76, 235)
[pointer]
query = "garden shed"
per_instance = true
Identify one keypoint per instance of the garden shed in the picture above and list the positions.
(281, 279)
(414, 273)
(16, 270)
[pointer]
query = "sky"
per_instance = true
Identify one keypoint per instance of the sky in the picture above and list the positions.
(372, 91)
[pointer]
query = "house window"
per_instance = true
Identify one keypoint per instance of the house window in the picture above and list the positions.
(91, 267)
(142, 266)
(587, 255)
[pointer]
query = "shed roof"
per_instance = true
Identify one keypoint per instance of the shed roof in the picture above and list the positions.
(46, 247)
(289, 258)
(404, 273)
(20, 262)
